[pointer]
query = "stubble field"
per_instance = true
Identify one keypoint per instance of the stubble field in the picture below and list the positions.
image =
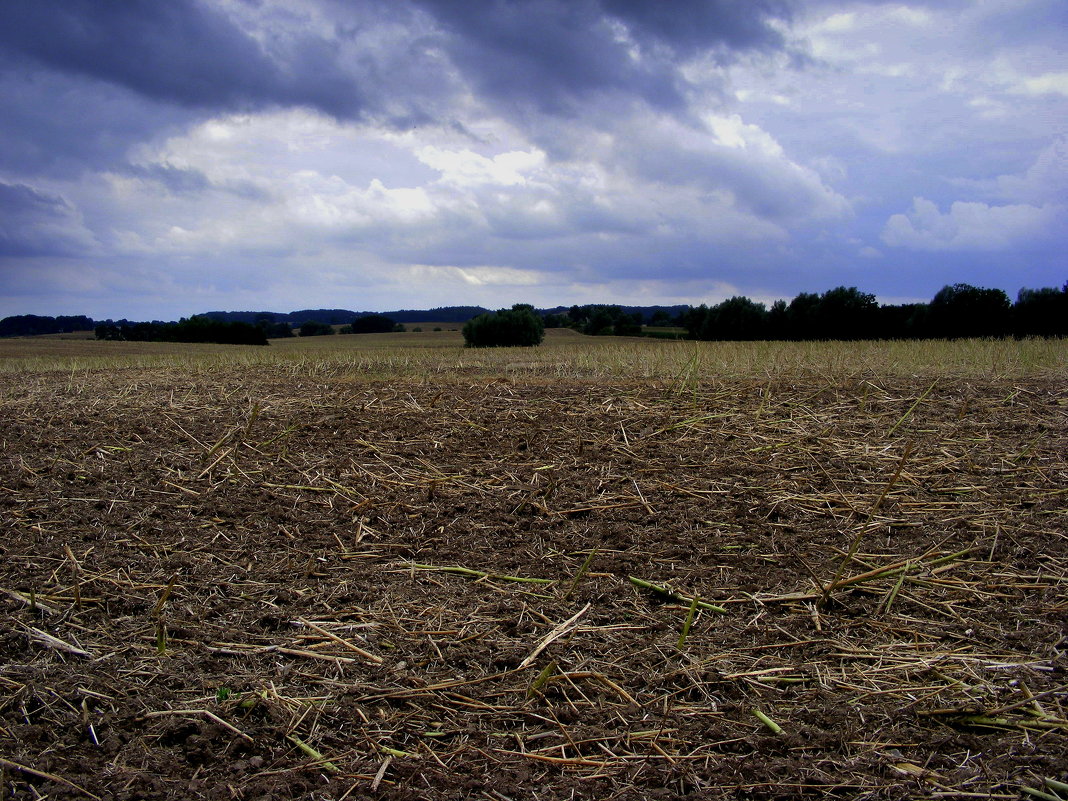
(388, 568)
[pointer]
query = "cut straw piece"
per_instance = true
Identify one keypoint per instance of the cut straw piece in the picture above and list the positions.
(481, 574)
(911, 409)
(45, 638)
(40, 774)
(30, 601)
(381, 772)
(207, 713)
(554, 635)
(674, 596)
(330, 636)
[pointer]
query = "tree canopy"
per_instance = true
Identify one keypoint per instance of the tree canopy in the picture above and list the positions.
(519, 326)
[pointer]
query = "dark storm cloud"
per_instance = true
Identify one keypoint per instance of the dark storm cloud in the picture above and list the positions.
(55, 124)
(706, 24)
(33, 223)
(125, 69)
(178, 51)
(184, 181)
(556, 53)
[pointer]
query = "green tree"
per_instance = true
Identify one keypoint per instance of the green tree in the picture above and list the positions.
(373, 324)
(1041, 312)
(519, 326)
(601, 320)
(963, 310)
(628, 325)
(312, 328)
(660, 319)
(737, 318)
(802, 316)
(846, 313)
(557, 321)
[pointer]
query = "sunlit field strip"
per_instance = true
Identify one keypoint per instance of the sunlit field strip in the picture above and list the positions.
(564, 354)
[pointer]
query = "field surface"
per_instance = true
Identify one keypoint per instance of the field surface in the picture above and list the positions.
(626, 570)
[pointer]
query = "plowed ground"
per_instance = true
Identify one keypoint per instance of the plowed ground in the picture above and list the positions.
(244, 586)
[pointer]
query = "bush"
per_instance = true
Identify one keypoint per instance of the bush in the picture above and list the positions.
(311, 328)
(373, 324)
(515, 327)
(275, 330)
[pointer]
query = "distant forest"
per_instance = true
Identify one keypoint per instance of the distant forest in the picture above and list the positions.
(844, 313)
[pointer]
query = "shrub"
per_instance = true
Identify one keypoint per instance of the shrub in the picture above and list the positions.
(373, 324)
(311, 328)
(515, 327)
(275, 330)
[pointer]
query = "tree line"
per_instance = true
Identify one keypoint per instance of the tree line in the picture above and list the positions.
(32, 325)
(191, 329)
(957, 311)
(843, 313)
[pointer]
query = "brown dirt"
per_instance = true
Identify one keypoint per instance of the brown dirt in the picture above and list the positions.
(240, 571)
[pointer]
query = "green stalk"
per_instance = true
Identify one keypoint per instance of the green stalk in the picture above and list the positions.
(672, 595)
(893, 593)
(1056, 786)
(687, 624)
(581, 572)
(311, 752)
(853, 546)
(905, 416)
(1040, 794)
(385, 749)
(542, 679)
(161, 637)
(771, 724)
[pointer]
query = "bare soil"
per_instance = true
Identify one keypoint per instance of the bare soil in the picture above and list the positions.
(294, 584)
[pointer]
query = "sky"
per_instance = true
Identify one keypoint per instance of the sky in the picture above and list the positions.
(160, 159)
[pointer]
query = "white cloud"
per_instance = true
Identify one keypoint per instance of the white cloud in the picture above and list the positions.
(916, 17)
(968, 226)
(619, 201)
(836, 23)
(467, 168)
(477, 276)
(1049, 83)
(1045, 181)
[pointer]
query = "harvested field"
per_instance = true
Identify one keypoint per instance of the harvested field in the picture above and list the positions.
(296, 582)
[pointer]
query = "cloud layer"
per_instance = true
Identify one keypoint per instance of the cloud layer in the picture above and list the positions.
(158, 159)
